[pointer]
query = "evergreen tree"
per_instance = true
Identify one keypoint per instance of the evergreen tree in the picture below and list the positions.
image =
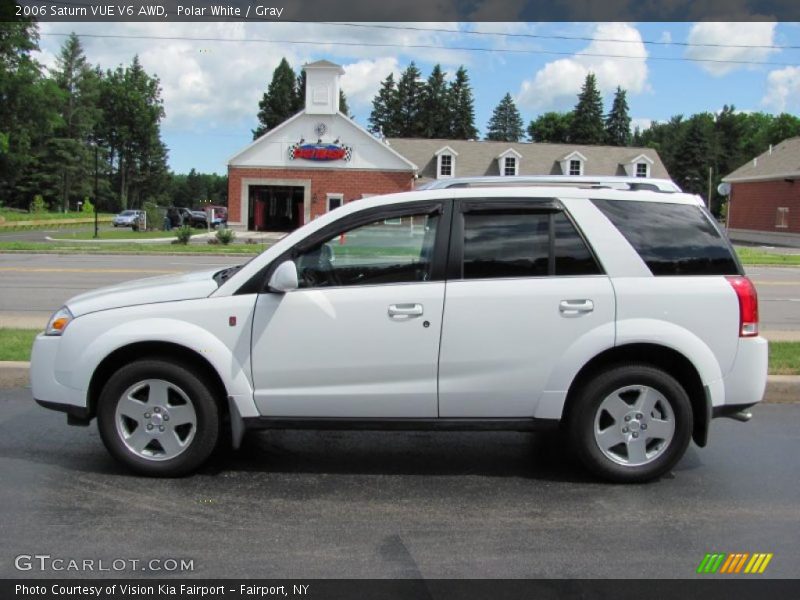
(550, 127)
(280, 101)
(69, 159)
(462, 109)
(696, 154)
(435, 107)
(587, 118)
(506, 122)
(131, 131)
(618, 122)
(384, 115)
(410, 91)
(28, 110)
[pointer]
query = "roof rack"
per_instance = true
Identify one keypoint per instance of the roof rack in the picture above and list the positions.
(582, 181)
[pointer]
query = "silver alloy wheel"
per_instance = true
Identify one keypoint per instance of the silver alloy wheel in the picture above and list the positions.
(155, 419)
(634, 425)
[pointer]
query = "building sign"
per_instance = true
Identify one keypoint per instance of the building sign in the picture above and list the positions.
(320, 151)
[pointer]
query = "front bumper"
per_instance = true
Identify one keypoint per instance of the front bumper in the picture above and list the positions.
(47, 390)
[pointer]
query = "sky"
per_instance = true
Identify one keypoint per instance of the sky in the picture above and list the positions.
(213, 74)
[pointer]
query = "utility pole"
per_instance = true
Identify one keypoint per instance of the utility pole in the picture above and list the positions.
(95, 189)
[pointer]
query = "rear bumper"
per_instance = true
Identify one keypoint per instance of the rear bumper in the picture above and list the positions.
(746, 382)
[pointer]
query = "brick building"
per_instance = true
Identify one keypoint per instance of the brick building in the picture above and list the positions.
(764, 199)
(320, 159)
(311, 163)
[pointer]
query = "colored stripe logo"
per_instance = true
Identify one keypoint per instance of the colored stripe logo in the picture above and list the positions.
(737, 562)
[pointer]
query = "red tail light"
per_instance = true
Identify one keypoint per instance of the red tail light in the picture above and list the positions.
(748, 305)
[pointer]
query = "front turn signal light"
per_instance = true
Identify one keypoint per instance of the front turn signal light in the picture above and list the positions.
(58, 322)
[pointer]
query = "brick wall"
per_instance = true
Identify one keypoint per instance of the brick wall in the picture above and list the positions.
(352, 183)
(754, 205)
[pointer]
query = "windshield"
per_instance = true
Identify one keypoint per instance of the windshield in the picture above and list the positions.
(127, 213)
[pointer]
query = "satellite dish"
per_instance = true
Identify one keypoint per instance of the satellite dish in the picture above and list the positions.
(724, 189)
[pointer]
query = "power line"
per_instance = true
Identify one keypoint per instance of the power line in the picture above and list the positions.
(423, 47)
(540, 36)
(561, 37)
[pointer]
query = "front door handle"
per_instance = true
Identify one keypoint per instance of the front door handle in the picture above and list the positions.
(403, 312)
(574, 308)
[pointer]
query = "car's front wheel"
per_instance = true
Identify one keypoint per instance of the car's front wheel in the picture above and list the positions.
(158, 417)
(631, 423)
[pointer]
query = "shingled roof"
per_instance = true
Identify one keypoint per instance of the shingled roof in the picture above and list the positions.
(780, 162)
(479, 158)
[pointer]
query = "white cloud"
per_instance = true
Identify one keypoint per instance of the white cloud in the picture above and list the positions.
(556, 85)
(783, 89)
(208, 84)
(642, 123)
(741, 34)
(362, 80)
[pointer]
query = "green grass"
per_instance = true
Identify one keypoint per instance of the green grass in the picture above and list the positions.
(119, 234)
(754, 256)
(784, 358)
(15, 344)
(126, 248)
(11, 216)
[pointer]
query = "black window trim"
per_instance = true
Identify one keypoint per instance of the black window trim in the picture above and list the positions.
(455, 257)
(257, 284)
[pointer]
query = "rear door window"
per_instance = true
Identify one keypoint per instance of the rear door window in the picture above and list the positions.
(520, 242)
(672, 239)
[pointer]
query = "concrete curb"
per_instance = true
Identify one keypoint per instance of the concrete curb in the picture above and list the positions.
(781, 389)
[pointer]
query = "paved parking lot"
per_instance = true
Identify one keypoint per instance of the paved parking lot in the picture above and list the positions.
(347, 504)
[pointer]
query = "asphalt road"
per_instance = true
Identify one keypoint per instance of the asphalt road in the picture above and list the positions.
(32, 286)
(342, 504)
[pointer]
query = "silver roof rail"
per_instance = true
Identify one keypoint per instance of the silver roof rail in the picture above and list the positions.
(582, 181)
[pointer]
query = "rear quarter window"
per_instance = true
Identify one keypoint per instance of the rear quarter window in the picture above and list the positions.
(672, 239)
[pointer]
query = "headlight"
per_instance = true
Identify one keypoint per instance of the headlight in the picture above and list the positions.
(58, 322)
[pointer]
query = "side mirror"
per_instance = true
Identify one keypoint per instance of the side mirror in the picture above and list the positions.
(284, 278)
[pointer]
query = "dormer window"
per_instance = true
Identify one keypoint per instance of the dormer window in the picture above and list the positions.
(445, 162)
(446, 165)
(508, 163)
(573, 164)
(638, 166)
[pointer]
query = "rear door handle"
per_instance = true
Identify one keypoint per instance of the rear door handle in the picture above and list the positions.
(403, 312)
(574, 308)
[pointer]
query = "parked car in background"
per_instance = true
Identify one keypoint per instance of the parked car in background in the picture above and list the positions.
(127, 218)
(179, 216)
(220, 216)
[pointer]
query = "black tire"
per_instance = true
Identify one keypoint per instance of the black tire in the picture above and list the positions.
(584, 412)
(198, 393)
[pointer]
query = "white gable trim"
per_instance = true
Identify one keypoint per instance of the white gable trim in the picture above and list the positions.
(640, 158)
(256, 141)
(574, 155)
(509, 151)
(237, 159)
(445, 150)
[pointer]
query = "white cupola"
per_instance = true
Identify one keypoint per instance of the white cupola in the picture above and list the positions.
(322, 87)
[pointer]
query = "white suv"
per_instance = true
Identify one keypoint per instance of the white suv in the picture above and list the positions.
(621, 315)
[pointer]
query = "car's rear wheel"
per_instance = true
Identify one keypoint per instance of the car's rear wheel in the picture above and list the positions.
(631, 423)
(158, 417)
